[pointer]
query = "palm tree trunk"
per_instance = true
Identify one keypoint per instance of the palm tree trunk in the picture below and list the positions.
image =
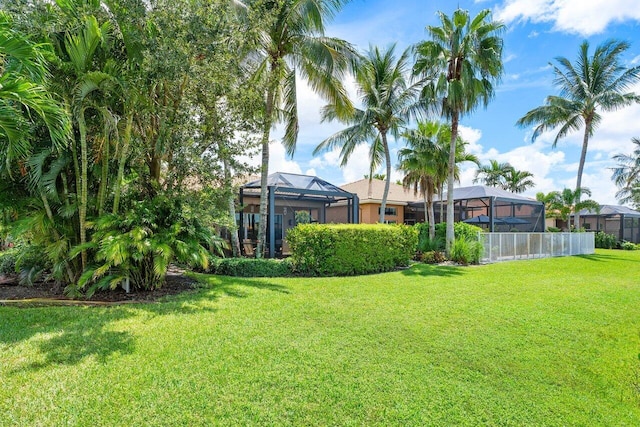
(83, 190)
(121, 162)
(231, 203)
(431, 214)
(583, 158)
(441, 203)
(387, 157)
(264, 170)
(450, 180)
(104, 178)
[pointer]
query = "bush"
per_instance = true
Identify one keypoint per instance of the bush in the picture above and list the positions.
(8, 261)
(605, 241)
(466, 251)
(461, 230)
(628, 246)
(251, 267)
(350, 249)
(425, 244)
(553, 230)
(433, 257)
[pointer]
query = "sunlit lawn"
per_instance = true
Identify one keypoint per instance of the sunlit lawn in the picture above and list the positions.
(545, 342)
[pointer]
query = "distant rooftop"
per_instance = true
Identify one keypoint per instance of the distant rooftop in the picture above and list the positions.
(613, 210)
(482, 191)
(373, 192)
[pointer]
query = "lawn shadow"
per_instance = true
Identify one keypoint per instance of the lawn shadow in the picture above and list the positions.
(604, 258)
(67, 335)
(430, 270)
(207, 290)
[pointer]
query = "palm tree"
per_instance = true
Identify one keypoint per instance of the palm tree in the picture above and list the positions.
(627, 175)
(592, 83)
(493, 174)
(552, 203)
(22, 91)
(518, 181)
(291, 42)
(419, 161)
(425, 163)
(570, 202)
(462, 61)
(386, 97)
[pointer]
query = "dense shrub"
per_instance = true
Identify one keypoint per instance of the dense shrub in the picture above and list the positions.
(350, 249)
(605, 241)
(425, 244)
(8, 261)
(461, 230)
(466, 251)
(553, 230)
(252, 267)
(433, 257)
(628, 246)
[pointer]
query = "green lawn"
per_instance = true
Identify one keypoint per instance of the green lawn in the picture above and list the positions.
(544, 342)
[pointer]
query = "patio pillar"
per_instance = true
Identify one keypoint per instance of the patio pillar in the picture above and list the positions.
(356, 209)
(272, 222)
(241, 225)
(491, 214)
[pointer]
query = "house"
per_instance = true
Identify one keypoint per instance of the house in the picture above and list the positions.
(621, 221)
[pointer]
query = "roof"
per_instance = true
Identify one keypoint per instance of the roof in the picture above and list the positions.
(482, 192)
(612, 210)
(397, 194)
(299, 184)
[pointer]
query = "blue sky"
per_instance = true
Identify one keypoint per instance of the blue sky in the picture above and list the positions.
(537, 32)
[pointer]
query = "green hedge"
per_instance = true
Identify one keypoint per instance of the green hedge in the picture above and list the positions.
(605, 241)
(251, 267)
(350, 249)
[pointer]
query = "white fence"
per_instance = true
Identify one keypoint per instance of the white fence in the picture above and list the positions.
(509, 246)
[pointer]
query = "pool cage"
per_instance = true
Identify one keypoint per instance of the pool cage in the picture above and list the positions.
(621, 221)
(494, 210)
(290, 198)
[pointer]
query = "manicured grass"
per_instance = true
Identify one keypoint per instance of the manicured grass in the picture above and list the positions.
(545, 342)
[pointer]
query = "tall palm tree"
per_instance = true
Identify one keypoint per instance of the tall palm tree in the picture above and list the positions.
(387, 97)
(461, 61)
(493, 174)
(518, 181)
(293, 41)
(627, 175)
(591, 84)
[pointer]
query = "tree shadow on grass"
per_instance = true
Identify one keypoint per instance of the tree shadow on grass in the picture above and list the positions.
(430, 270)
(604, 257)
(67, 335)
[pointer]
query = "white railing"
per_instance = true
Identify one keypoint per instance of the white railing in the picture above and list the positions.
(510, 246)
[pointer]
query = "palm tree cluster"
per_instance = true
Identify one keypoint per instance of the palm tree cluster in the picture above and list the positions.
(563, 204)
(505, 176)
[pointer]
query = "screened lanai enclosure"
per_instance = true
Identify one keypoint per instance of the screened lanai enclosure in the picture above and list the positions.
(493, 209)
(292, 198)
(621, 221)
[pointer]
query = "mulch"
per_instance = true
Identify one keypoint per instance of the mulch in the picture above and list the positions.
(11, 292)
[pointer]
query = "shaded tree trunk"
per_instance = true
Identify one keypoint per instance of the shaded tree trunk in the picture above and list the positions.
(450, 181)
(583, 158)
(387, 157)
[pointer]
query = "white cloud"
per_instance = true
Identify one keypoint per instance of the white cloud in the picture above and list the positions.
(584, 17)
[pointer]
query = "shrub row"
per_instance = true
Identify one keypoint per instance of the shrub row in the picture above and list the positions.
(250, 267)
(605, 241)
(350, 249)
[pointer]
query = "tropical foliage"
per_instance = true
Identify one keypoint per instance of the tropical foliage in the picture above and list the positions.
(626, 175)
(387, 97)
(461, 62)
(593, 84)
(504, 176)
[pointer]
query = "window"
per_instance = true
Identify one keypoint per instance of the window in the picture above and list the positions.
(389, 211)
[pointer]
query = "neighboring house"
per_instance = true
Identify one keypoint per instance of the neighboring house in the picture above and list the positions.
(398, 209)
(621, 221)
